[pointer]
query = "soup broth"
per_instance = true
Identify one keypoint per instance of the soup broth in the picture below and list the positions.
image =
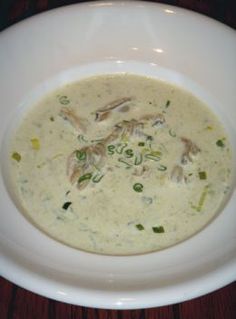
(120, 164)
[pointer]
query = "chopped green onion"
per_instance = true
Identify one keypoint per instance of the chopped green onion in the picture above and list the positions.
(129, 153)
(149, 138)
(141, 144)
(167, 103)
(52, 119)
(162, 168)
(120, 147)
(138, 159)
(111, 149)
(172, 133)
(209, 128)
(139, 227)
(80, 155)
(138, 187)
(16, 156)
(66, 205)
(153, 157)
(124, 162)
(158, 229)
(97, 178)
(220, 143)
(201, 199)
(64, 100)
(84, 177)
(35, 143)
(202, 175)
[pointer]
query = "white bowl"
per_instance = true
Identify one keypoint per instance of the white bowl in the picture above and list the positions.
(72, 42)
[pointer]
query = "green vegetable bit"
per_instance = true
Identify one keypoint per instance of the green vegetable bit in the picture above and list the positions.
(85, 177)
(141, 144)
(138, 159)
(202, 175)
(162, 168)
(167, 103)
(120, 147)
(80, 155)
(121, 160)
(152, 157)
(97, 178)
(220, 143)
(138, 187)
(66, 205)
(35, 143)
(64, 100)
(139, 227)
(129, 153)
(111, 149)
(172, 133)
(16, 156)
(158, 229)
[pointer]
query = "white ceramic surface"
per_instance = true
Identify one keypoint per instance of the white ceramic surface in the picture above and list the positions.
(62, 45)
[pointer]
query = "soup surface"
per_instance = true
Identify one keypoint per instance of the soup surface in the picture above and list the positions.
(120, 164)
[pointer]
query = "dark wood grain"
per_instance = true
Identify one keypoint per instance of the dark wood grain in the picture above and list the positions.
(18, 303)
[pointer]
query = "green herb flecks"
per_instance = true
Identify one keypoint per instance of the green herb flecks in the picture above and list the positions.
(16, 156)
(202, 199)
(35, 143)
(138, 187)
(85, 177)
(158, 229)
(172, 133)
(138, 159)
(153, 157)
(121, 160)
(162, 168)
(220, 143)
(111, 149)
(139, 227)
(129, 153)
(97, 178)
(80, 155)
(120, 147)
(64, 100)
(167, 103)
(202, 175)
(141, 144)
(66, 205)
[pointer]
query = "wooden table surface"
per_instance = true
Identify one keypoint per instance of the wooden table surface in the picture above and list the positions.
(18, 303)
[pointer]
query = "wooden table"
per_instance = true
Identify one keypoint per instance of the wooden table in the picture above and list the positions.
(17, 303)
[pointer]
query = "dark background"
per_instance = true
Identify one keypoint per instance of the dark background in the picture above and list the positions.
(18, 303)
(12, 11)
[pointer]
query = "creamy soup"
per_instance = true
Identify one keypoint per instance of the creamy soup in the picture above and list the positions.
(120, 164)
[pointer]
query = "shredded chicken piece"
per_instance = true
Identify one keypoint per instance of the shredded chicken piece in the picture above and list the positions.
(104, 112)
(122, 129)
(94, 157)
(177, 174)
(190, 150)
(78, 123)
(157, 119)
